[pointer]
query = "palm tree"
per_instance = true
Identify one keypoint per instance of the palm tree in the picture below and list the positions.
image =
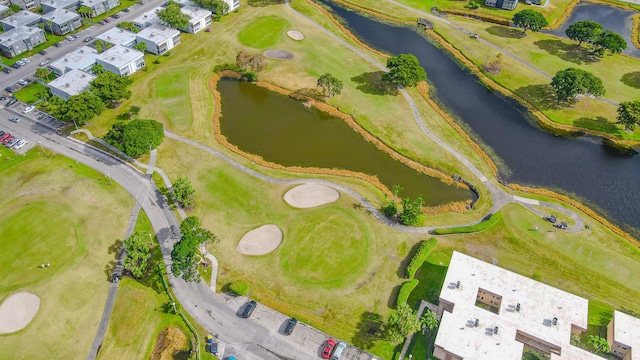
(43, 73)
(395, 190)
(599, 344)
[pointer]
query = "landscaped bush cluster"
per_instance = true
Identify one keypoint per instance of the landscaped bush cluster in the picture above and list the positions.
(136, 137)
(239, 288)
(421, 255)
(487, 223)
(265, 2)
(405, 291)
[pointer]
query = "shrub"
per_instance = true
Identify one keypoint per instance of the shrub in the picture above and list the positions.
(239, 288)
(405, 291)
(487, 223)
(228, 66)
(421, 255)
(390, 210)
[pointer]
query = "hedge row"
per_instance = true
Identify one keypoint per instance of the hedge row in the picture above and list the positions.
(405, 291)
(473, 228)
(421, 255)
(239, 287)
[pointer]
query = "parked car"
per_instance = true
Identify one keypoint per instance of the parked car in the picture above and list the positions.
(337, 353)
(8, 139)
(16, 65)
(28, 109)
(88, 39)
(291, 325)
(75, 36)
(42, 53)
(4, 137)
(22, 82)
(1, 133)
(126, 10)
(107, 20)
(3, 98)
(328, 348)
(116, 16)
(561, 225)
(102, 22)
(11, 102)
(248, 310)
(57, 44)
(551, 218)
(70, 38)
(14, 119)
(6, 70)
(43, 62)
(21, 144)
(25, 60)
(13, 142)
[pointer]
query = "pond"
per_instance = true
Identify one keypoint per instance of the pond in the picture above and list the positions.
(282, 130)
(527, 155)
(612, 18)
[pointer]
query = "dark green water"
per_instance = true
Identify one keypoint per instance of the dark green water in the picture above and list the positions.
(283, 131)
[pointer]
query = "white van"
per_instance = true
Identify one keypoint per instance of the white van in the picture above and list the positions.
(337, 353)
(28, 109)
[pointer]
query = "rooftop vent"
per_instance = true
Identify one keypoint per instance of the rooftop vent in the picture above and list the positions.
(518, 307)
(476, 323)
(458, 285)
(67, 85)
(555, 321)
(495, 330)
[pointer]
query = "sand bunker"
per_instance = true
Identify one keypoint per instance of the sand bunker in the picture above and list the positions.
(295, 35)
(311, 195)
(260, 241)
(278, 54)
(17, 311)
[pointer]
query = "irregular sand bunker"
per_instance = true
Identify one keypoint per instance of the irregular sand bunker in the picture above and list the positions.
(311, 195)
(295, 35)
(17, 311)
(260, 241)
(278, 54)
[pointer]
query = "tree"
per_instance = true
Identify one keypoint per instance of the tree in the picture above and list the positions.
(43, 73)
(330, 85)
(404, 322)
(608, 40)
(257, 63)
(184, 254)
(172, 15)
(140, 136)
(56, 107)
(629, 114)
(599, 344)
(83, 107)
(219, 7)
(85, 11)
(138, 253)
(571, 82)
(405, 70)
(97, 69)
(111, 87)
(584, 31)
(134, 110)
(411, 211)
(529, 20)
(141, 46)
(242, 59)
(184, 192)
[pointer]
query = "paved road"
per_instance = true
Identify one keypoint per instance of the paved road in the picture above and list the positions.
(54, 53)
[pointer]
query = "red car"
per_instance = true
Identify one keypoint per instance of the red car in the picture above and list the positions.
(8, 140)
(328, 348)
(5, 136)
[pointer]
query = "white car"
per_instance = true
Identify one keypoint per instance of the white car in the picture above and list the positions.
(23, 82)
(44, 62)
(20, 144)
(20, 62)
(28, 109)
(25, 60)
(70, 38)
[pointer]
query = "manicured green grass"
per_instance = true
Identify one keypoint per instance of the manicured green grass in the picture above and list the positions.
(494, 219)
(170, 89)
(431, 277)
(328, 246)
(264, 32)
(54, 210)
(29, 93)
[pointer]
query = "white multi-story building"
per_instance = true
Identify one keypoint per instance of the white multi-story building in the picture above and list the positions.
(100, 6)
(21, 18)
(623, 335)
(147, 19)
(50, 5)
(18, 40)
(118, 36)
(121, 60)
(199, 18)
(502, 4)
(80, 59)
(61, 22)
(26, 4)
(72, 83)
(159, 38)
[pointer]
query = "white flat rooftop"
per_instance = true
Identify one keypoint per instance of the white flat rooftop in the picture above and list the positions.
(149, 17)
(12, 36)
(157, 33)
(539, 305)
(119, 56)
(21, 18)
(195, 13)
(73, 83)
(60, 16)
(118, 36)
(81, 58)
(626, 330)
(60, 4)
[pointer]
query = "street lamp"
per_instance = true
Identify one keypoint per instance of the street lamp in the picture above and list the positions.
(40, 143)
(109, 177)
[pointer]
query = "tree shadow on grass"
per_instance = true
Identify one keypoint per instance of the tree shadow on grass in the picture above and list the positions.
(505, 32)
(402, 269)
(110, 267)
(598, 123)
(372, 83)
(631, 79)
(393, 297)
(369, 330)
(542, 96)
(568, 52)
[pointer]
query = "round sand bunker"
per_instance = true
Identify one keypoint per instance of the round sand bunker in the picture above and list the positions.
(311, 195)
(278, 54)
(260, 241)
(295, 35)
(17, 311)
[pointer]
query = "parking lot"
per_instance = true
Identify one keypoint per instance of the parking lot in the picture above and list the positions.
(305, 337)
(10, 115)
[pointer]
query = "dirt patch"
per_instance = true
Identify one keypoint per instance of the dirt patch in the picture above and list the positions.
(171, 341)
(260, 241)
(310, 195)
(17, 311)
(295, 35)
(278, 54)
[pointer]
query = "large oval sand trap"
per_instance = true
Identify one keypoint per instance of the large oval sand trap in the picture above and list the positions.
(17, 311)
(295, 35)
(311, 195)
(260, 241)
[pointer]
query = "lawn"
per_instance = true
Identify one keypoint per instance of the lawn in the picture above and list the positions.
(30, 93)
(170, 88)
(263, 32)
(59, 212)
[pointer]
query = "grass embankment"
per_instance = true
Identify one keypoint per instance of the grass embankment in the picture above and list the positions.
(495, 218)
(56, 211)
